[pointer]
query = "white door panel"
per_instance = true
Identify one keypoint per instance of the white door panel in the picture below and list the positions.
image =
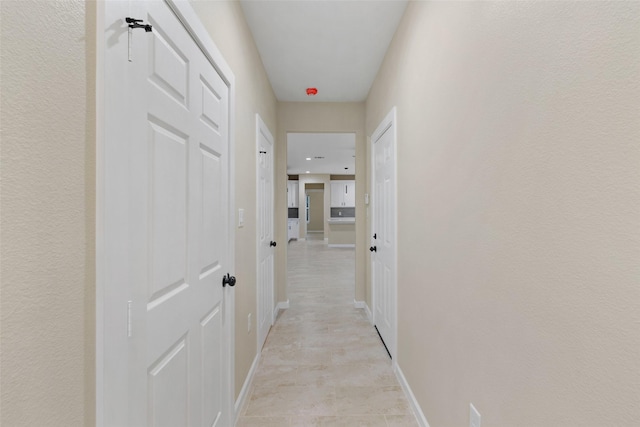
(265, 231)
(384, 229)
(171, 369)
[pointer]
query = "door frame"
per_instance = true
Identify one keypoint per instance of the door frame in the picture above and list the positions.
(191, 22)
(390, 120)
(261, 127)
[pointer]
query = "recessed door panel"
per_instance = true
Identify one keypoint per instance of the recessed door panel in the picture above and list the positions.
(211, 209)
(168, 388)
(211, 105)
(210, 329)
(168, 65)
(168, 210)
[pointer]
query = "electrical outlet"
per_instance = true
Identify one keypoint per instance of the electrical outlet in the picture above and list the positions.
(249, 323)
(474, 416)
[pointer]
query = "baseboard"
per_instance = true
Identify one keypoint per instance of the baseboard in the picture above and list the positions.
(282, 305)
(244, 393)
(369, 314)
(363, 305)
(417, 411)
(345, 245)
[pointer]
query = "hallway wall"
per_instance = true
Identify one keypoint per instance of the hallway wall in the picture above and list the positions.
(48, 186)
(519, 201)
(319, 117)
(227, 26)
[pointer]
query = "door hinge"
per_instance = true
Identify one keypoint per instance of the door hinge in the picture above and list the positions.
(135, 23)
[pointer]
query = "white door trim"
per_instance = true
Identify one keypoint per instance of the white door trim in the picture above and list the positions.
(390, 120)
(261, 127)
(190, 20)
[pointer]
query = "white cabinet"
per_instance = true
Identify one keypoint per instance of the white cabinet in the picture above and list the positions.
(350, 194)
(294, 229)
(343, 194)
(292, 194)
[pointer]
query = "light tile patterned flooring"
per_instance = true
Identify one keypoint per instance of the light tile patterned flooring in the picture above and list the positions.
(323, 363)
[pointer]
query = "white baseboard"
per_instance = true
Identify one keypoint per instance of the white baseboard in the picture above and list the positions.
(282, 305)
(345, 245)
(363, 305)
(417, 411)
(244, 393)
(369, 314)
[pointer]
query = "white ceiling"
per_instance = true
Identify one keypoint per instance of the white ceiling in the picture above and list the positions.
(338, 150)
(335, 46)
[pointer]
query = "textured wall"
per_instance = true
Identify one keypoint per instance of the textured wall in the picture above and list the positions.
(226, 24)
(47, 233)
(519, 202)
(320, 117)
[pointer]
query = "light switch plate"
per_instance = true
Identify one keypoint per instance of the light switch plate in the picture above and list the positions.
(240, 218)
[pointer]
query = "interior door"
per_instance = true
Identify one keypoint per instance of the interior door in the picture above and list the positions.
(266, 243)
(168, 226)
(384, 233)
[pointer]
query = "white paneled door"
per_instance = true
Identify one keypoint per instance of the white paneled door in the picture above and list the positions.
(383, 247)
(265, 238)
(167, 238)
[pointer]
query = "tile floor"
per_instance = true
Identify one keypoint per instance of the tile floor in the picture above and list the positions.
(323, 363)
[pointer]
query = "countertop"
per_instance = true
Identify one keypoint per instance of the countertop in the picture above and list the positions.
(342, 220)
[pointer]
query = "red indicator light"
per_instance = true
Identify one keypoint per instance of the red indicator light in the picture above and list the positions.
(311, 91)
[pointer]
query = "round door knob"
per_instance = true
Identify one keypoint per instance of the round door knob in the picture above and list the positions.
(228, 280)
(272, 243)
(373, 249)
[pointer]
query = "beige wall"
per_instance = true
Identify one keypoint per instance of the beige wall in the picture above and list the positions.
(316, 210)
(47, 366)
(320, 117)
(225, 22)
(519, 202)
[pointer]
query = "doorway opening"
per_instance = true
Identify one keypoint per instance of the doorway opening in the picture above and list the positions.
(314, 196)
(321, 179)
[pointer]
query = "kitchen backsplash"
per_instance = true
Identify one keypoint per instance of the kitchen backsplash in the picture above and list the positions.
(293, 213)
(342, 212)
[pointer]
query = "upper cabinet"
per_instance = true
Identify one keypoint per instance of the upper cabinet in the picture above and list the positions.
(343, 194)
(292, 194)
